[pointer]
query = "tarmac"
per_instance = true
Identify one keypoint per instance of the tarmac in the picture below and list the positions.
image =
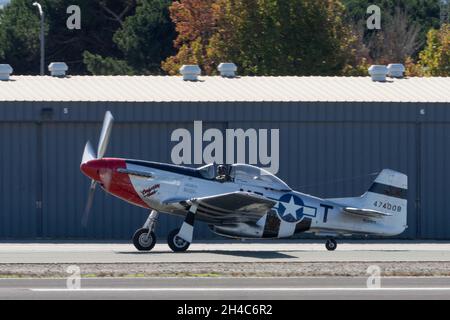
(263, 289)
(225, 252)
(215, 270)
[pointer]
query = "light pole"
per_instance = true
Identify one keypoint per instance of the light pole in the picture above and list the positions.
(42, 36)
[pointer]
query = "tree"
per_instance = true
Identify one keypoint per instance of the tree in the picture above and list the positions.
(397, 40)
(404, 26)
(100, 21)
(195, 24)
(434, 60)
(19, 32)
(425, 13)
(19, 37)
(264, 37)
(144, 40)
(106, 66)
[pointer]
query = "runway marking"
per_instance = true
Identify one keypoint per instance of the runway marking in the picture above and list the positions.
(237, 289)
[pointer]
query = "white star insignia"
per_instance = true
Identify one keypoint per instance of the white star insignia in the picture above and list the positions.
(291, 208)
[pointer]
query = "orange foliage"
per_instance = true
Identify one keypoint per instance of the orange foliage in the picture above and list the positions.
(195, 23)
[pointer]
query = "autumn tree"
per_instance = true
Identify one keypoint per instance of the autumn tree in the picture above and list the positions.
(434, 60)
(263, 37)
(195, 24)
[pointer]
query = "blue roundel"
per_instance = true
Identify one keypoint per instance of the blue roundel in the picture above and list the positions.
(290, 208)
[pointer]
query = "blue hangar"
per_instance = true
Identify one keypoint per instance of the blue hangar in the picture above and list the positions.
(326, 136)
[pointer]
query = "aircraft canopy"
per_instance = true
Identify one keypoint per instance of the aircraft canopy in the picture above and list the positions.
(244, 174)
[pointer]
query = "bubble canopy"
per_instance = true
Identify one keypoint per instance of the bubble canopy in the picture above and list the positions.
(246, 174)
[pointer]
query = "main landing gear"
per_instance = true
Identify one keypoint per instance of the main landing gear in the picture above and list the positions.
(178, 240)
(176, 243)
(331, 244)
(144, 239)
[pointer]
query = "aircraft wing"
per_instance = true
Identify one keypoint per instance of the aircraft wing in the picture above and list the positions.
(237, 202)
(366, 212)
(232, 207)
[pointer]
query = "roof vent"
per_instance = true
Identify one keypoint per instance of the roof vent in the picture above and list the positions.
(190, 72)
(58, 69)
(5, 72)
(227, 70)
(378, 73)
(396, 70)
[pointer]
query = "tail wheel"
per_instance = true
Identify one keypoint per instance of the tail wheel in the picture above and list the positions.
(143, 240)
(331, 244)
(176, 243)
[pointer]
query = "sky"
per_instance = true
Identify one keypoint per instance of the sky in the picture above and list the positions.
(3, 2)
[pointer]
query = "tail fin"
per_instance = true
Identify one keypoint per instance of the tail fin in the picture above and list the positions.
(387, 194)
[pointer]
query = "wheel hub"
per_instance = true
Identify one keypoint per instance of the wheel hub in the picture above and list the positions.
(179, 242)
(145, 240)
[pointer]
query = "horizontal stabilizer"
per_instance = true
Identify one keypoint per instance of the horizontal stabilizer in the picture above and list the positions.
(367, 212)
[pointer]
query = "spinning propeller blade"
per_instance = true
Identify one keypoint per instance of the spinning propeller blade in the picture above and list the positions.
(104, 136)
(89, 155)
(90, 201)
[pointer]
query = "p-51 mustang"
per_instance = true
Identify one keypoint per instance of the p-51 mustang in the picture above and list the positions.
(239, 200)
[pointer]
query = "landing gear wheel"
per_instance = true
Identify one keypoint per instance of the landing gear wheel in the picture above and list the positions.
(143, 241)
(331, 244)
(176, 243)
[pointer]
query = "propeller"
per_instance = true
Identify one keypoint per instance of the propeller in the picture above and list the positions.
(90, 201)
(89, 155)
(104, 136)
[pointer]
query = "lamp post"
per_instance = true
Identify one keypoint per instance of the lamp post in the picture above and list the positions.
(42, 36)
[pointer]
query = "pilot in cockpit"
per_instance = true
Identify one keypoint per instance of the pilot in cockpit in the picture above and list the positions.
(223, 173)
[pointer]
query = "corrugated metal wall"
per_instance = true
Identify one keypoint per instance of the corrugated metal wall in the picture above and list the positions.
(434, 214)
(18, 180)
(326, 149)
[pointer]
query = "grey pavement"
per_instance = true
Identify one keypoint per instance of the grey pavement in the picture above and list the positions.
(227, 288)
(239, 252)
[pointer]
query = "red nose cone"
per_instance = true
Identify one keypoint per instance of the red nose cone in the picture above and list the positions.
(106, 172)
(92, 169)
(96, 169)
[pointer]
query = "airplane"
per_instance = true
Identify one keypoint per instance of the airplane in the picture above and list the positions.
(239, 201)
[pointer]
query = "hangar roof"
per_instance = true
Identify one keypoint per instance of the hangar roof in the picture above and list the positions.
(242, 89)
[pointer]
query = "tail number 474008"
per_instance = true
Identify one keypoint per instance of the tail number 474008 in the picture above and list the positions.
(388, 206)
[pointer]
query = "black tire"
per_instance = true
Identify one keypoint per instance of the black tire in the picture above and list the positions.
(331, 244)
(141, 242)
(176, 243)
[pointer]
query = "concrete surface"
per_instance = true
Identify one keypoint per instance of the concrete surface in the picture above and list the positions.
(228, 288)
(217, 252)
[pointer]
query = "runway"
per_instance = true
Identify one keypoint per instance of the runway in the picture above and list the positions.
(226, 258)
(264, 289)
(226, 270)
(224, 252)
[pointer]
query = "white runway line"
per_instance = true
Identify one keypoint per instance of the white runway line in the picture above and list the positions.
(237, 289)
